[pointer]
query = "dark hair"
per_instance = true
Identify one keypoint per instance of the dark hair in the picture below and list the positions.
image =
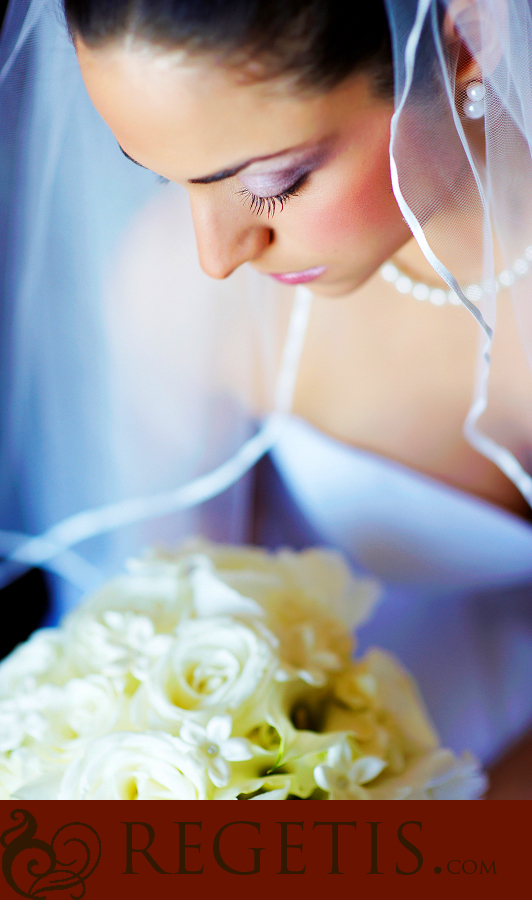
(317, 42)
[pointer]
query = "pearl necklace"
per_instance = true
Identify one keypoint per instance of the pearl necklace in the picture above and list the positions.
(403, 283)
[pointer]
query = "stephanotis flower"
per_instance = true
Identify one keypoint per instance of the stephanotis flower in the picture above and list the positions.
(215, 747)
(116, 644)
(342, 776)
(56, 721)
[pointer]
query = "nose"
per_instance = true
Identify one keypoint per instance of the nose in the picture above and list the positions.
(226, 235)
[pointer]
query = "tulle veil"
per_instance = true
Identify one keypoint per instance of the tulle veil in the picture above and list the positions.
(137, 392)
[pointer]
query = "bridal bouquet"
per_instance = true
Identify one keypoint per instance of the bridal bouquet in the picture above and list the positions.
(220, 673)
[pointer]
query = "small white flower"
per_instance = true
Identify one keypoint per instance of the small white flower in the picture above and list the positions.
(215, 747)
(77, 712)
(342, 776)
(117, 644)
(193, 647)
(150, 588)
(55, 721)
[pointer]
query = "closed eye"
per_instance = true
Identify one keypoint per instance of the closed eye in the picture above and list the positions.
(259, 204)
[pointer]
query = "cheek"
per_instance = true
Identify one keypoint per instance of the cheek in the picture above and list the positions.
(353, 205)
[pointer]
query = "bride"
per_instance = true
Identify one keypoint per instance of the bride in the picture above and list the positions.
(312, 140)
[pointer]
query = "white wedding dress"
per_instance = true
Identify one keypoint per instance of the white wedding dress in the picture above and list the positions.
(456, 573)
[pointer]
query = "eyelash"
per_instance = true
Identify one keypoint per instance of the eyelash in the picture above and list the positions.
(259, 204)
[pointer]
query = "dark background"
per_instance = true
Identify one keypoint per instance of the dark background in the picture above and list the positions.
(24, 603)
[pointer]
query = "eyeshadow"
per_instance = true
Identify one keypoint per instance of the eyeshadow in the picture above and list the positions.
(270, 184)
(272, 181)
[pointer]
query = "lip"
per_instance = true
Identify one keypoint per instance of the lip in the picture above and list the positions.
(299, 277)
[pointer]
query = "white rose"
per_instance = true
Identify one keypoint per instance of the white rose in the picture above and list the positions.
(131, 766)
(237, 655)
(215, 666)
(81, 710)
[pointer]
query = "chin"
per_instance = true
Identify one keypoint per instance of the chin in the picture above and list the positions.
(338, 289)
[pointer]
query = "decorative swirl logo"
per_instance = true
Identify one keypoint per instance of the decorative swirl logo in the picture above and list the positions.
(33, 868)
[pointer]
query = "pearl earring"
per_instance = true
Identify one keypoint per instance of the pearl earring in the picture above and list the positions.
(474, 105)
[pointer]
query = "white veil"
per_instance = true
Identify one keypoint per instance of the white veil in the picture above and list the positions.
(486, 181)
(131, 381)
(137, 390)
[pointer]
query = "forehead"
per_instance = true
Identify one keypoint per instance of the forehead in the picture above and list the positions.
(185, 117)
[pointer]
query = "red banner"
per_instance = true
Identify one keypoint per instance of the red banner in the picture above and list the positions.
(158, 849)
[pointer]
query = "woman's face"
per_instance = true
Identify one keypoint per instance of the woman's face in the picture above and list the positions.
(298, 185)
